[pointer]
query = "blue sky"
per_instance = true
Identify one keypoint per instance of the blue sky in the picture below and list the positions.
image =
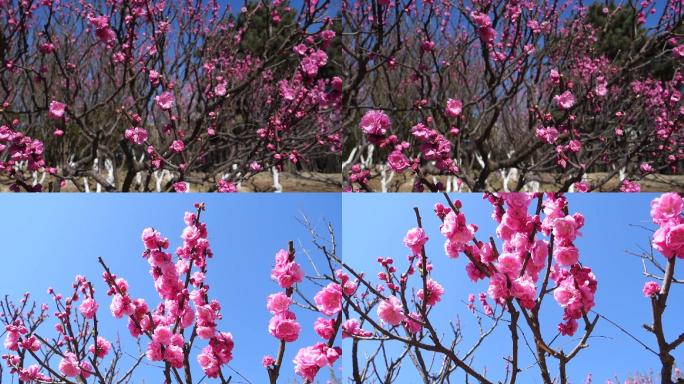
(48, 239)
(374, 225)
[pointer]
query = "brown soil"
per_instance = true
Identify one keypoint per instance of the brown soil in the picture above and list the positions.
(652, 183)
(263, 182)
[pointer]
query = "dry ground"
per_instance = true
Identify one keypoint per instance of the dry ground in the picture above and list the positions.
(331, 182)
(652, 183)
(263, 182)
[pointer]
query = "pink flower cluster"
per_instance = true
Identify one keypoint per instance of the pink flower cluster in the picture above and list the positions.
(666, 212)
(180, 289)
(415, 239)
(312, 62)
(16, 147)
(136, 135)
(575, 289)
(352, 328)
(218, 353)
(457, 233)
(310, 360)
(434, 147)
(514, 271)
(284, 326)
(375, 125)
(71, 367)
(329, 299)
(286, 272)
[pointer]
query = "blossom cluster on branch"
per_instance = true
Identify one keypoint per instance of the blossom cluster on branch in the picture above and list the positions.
(126, 95)
(535, 257)
(177, 333)
(474, 95)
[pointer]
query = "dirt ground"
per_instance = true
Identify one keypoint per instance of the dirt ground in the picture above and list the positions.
(331, 182)
(652, 183)
(263, 182)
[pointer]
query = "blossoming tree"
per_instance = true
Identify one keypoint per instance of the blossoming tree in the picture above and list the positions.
(178, 332)
(668, 240)
(531, 266)
(161, 95)
(511, 95)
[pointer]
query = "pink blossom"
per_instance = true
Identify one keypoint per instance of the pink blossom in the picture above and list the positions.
(286, 273)
(226, 186)
(165, 101)
(667, 207)
(565, 100)
(397, 161)
(415, 239)
(669, 240)
(547, 134)
(412, 322)
(568, 328)
(566, 255)
(217, 353)
(154, 77)
(310, 360)
(278, 303)
(88, 307)
(427, 46)
(284, 326)
(455, 229)
(153, 239)
(120, 306)
(352, 328)
(474, 273)
(565, 294)
(678, 51)
(325, 328)
(31, 343)
(454, 107)
(12, 341)
(162, 335)
(221, 89)
(329, 299)
(630, 186)
(177, 146)
(103, 347)
(102, 29)
(581, 186)
(435, 291)
(46, 48)
(484, 24)
(391, 311)
(267, 361)
(56, 110)
(180, 187)
(33, 374)
(69, 365)
(510, 264)
(565, 228)
(136, 135)
(498, 288)
(651, 288)
(375, 124)
(525, 290)
(601, 89)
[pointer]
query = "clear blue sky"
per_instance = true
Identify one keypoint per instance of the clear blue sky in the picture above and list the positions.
(48, 239)
(374, 225)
